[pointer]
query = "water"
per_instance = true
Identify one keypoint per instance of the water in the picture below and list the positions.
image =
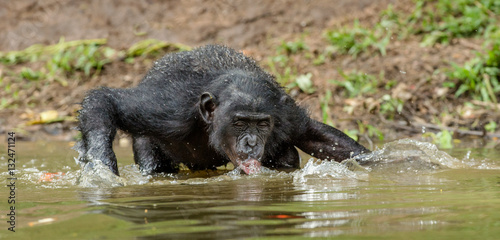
(407, 190)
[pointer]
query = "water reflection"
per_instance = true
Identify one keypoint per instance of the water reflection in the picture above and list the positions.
(210, 207)
(255, 207)
(400, 191)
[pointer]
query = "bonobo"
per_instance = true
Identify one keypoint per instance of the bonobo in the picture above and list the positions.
(205, 108)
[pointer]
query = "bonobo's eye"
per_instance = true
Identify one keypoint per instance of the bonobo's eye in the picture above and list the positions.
(263, 124)
(239, 124)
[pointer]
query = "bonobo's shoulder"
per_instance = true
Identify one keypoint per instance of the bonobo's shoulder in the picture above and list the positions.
(207, 59)
(212, 49)
(216, 53)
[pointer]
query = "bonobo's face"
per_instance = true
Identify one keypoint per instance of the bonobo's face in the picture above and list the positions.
(245, 137)
(238, 133)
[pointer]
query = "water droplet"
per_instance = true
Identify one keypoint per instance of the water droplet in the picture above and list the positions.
(467, 155)
(321, 150)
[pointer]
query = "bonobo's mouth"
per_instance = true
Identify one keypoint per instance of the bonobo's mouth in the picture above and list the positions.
(249, 166)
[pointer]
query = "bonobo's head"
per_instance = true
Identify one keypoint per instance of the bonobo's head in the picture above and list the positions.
(240, 119)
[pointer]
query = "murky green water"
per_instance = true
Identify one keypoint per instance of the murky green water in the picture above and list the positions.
(433, 197)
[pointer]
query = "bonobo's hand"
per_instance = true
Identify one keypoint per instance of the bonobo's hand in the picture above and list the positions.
(363, 157)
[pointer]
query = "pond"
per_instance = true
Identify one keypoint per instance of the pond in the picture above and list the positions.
(407, 190)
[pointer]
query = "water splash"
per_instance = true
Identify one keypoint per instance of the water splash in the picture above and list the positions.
(97, 175)
(411, 155)
(398, 157)
(401, 157)
(327, 170)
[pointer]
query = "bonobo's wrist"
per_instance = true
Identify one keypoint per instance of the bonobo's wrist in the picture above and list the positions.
(363, 156)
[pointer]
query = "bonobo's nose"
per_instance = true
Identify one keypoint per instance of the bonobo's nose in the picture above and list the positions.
(252, 140)
(249, 144)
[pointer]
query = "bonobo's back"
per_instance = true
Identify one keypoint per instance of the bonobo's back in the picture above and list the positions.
(202, 64)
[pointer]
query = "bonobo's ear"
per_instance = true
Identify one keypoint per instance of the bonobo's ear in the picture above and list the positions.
(207, 107)
(284, 99)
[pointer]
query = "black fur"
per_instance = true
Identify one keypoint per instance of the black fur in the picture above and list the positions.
(164, 117)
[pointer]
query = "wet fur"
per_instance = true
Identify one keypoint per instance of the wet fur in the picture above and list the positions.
(162, 114)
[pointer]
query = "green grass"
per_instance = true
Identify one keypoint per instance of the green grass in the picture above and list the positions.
(390, 106)
(370, 130)
(325, 107)
(491, 126)
(282, 66)
(479, 77)
(444, 138)
(356, 84)
(292, 47)
(283, 71)
(67, 61)
(431, 22)
(357, 39)
(304, 83)
(152, 48)
(87, 56)
(440, 21)
(37, 51)
(436, 21)
(29, 74)
(84, 58)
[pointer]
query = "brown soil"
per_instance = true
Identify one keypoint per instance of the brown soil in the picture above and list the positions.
(257, 26)
(239, 24)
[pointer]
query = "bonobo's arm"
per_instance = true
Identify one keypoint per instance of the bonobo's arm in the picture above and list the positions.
(98, 127)
(325, 142)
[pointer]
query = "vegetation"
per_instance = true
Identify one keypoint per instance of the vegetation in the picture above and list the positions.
(442, 21)
(357, 39)
(66, 61)
(433, 22)
(282, 65)
(444, 139)
(357, 84)
(479, 78)
(461, 88)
